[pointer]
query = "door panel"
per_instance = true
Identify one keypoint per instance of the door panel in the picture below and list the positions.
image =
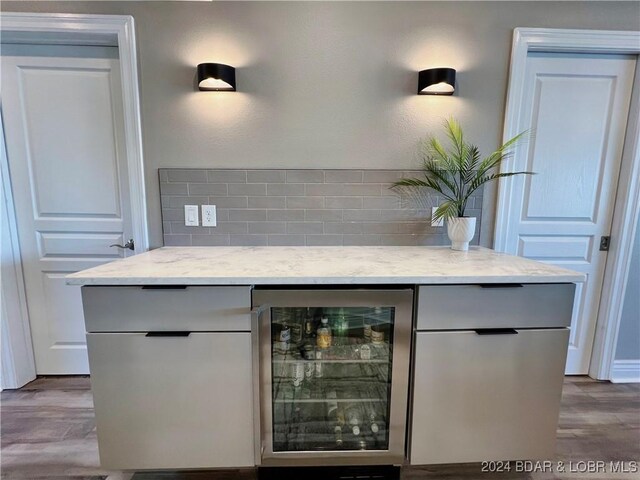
(63, 121)
(576, 107)
(71, 102)
(486, 397)
(66, 329)
(570, 120)
(556, 248)
(173, 402)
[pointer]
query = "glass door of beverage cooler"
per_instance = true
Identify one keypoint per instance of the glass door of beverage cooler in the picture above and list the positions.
(333, 375)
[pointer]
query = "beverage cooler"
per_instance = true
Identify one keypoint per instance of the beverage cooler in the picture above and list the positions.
(331, 372)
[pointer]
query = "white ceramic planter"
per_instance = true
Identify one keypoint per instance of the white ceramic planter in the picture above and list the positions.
(460, 231)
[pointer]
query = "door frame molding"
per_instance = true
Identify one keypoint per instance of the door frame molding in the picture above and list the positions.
(18, 359)
(628, 192)
(72, 29)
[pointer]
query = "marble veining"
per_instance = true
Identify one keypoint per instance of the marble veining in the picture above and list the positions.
(320, 266)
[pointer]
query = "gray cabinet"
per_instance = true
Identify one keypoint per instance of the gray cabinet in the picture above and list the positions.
(458, 307)
(172, 402)
(166, 397)
(490, 392)
(142, 308)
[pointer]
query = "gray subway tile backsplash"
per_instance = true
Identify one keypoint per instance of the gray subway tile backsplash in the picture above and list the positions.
(343, 176)
(247, 189)
(227, 176)
(208, 189)
(229, 202)
(293, 215)
(324, 240)
(167, 188)
(267, 202)
(343, 202)
(305, 202)
(324, 215)
(220, 240)
(247, 215)
(268, 227)
(266, 176)
(305, 176)
(248, 240)
(184, 175)
(305, 227)
(299, 207)
(290, 189)
(287, 240)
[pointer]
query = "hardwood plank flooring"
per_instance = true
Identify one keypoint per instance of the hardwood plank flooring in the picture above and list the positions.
(48, 433)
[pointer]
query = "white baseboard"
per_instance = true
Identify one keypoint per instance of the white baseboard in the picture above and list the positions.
(625, 371)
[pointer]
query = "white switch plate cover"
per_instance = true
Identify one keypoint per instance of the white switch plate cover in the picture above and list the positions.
(440, 222)
(209, 216)
(191, 215)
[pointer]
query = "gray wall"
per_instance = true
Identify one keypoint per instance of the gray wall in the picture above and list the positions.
(629, 333)
(324, 85)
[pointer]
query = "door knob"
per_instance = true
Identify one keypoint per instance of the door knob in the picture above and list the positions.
(130, 245)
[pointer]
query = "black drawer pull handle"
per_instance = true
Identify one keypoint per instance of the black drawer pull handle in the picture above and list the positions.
(168, 334)
(496, 331)
(164, 287)
(501, 285)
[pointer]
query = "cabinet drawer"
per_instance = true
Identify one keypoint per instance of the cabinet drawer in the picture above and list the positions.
(172, 402)
(142, 309)
(459, 307)
(486, 397)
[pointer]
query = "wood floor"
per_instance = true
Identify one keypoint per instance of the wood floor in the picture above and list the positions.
(48, 432)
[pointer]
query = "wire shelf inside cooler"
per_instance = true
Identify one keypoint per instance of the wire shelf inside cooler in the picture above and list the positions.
(313, 433)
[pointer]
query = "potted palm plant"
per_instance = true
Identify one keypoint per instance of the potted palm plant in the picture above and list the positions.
(455, 173)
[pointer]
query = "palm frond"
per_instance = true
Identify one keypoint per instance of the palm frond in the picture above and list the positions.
(447, 209)
(435, 173)
(457, 171)
(409, 183)
(471, 163)
(438, 154)
(454, 132)
(497, 157)
(481, 180)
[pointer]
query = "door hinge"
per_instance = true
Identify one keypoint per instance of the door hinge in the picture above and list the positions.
(604, 243)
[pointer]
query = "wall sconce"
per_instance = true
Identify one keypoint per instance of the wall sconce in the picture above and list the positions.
(437, 81)
(216, 77)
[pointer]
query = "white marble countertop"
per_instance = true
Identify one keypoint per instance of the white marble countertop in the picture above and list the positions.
(320, 266)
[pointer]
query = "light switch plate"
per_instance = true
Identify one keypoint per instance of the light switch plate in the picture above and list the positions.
(191, 215)
(440, 222)
(209, 218)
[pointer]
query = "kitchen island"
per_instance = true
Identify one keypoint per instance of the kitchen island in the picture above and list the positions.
(212, 357)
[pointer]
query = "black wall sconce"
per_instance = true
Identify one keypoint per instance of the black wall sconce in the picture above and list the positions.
(216, 77)
(437, 81)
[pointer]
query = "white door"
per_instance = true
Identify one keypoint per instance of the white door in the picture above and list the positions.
(576, 106)
(63, 122)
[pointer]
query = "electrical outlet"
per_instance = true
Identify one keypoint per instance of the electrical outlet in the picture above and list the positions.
(191, 215)
(209, 216)
(440, 222)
